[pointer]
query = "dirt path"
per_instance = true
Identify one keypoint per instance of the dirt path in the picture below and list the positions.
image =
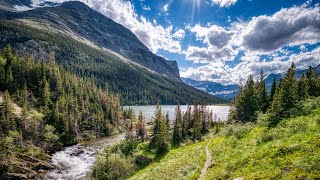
(207, 164)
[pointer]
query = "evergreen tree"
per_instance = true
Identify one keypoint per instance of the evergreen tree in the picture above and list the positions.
(302, 90)
(7, 117)
(289, 87)
(156, 126)
(311, 82)
(197, 123)
(263, 98)
(141, 128)
(162, 144)
(245, 104)
(9, 82)
(177, 136)
(273, 89)
(46, 97)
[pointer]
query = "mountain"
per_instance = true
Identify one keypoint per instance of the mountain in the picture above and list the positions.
(217, 89)
(78, 20)
(92, 45)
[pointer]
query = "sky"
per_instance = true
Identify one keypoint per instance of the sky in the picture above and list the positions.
(222, 41)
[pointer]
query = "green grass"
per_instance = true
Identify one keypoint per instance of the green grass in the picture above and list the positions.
(291, 150)
(181, 163)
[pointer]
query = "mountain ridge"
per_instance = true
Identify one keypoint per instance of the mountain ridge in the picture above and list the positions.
(77, 19)
(135, 83)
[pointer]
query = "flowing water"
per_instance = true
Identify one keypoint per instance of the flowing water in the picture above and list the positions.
(75, 162)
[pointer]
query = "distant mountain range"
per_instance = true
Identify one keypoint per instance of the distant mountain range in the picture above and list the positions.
(217, 89)
(230, 91)
(92, 45)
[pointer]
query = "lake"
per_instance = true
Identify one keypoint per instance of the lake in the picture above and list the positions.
(221, 112)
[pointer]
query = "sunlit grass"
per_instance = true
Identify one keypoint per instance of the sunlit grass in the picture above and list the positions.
(181, 163)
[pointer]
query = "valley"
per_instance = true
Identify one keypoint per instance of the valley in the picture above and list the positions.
(159, 90)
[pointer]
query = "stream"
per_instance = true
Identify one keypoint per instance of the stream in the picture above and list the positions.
(75, 162)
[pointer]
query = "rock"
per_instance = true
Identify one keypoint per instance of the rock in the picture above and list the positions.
(44, 166)
(77, 152)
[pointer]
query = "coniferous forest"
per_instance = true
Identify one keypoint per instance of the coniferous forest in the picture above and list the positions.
(54, 107)
(283, 101)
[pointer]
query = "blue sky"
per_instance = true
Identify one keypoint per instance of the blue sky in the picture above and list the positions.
(222, 40)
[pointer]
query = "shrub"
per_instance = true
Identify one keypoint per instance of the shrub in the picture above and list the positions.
(113, 166)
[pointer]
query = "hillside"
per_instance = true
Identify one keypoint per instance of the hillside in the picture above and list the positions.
(250, 151)
(143, 86)
(79, 21)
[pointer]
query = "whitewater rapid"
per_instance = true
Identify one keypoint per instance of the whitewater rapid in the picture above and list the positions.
(75, 162)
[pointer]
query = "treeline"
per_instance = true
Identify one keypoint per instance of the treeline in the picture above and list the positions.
(189, 125)
(134, 84)
(283, 101)
(57, 107)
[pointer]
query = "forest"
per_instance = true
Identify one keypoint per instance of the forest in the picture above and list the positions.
(54, 108)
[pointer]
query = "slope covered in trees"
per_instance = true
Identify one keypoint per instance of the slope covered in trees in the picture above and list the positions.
(58, 109)
(134, 84)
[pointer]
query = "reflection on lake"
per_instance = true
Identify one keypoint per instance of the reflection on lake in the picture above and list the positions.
(221, 112)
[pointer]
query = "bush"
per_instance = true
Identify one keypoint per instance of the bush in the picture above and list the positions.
(113, 166)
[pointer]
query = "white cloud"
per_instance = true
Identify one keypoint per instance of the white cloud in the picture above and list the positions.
(209, 54)
(165, 8)
(219, 72)
(147, 8)
(218, 41)
(179, 34)
(224, 3)
(288, 27)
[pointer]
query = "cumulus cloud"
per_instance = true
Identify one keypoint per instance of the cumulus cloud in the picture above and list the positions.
(221, 73)
(152, 35)
(288, 27)
(218, 41)
(224, 3)
(165, 8)
(209, 55)
(214, 35)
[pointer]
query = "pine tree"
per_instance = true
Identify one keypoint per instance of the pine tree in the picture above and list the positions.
(156, 126)
(9, 82)
(245, 104)
(7, 117)
(162, 144)
(302, 90)
(46, 96)
(141, 128)
(273, 89)
(177, 136)
(311, 82)
(130, 134)
(197, 123)
(263, 98)
(289, 88)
